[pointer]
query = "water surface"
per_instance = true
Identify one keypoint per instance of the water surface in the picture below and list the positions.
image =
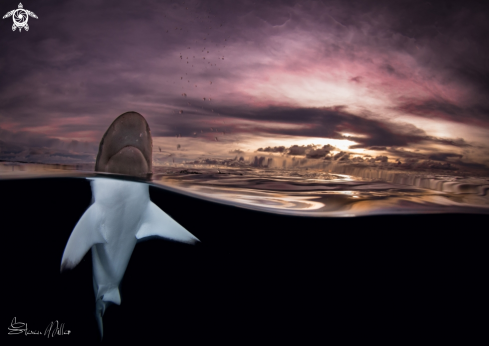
(302, 192)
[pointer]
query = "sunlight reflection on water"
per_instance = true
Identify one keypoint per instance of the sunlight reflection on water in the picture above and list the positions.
(306, 193)
(296, 193)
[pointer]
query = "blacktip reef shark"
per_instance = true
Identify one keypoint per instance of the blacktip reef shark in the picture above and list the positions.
(121, 212)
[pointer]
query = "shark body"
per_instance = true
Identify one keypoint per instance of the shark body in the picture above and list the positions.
(120, 215)
(121, 212)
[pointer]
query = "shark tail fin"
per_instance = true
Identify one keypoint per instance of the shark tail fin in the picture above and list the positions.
(110, 297)
(99, 312)
(85, 234)
(157, 223)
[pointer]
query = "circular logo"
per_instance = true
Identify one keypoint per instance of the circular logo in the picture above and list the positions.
(20, 17)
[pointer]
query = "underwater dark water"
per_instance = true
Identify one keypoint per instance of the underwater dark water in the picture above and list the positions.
(264, 271)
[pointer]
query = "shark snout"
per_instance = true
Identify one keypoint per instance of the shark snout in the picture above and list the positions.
(126, 147)
(129, 160)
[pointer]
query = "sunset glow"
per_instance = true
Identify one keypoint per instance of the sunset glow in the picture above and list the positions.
(367, 79)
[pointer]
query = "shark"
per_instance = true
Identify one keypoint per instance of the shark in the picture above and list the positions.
(121, 213)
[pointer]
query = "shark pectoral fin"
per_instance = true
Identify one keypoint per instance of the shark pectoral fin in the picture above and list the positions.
(157, 223)
(86, 233)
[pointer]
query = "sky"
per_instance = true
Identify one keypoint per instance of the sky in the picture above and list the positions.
(404, 83)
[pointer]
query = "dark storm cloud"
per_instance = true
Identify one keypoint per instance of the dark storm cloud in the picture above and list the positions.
(455, 31)
(29, 139)
(443, 156)
(317, 153)
(472, 166)
(406, 154)
(341, 156)
(85, 62)
(311, 151)
(459, 142)
(435, 160)
(31, 147)
(447, 38)
(299, 149)
(86, 57)
(356, 79)
(96, 60)
(410, 156)
(280, 149)
(477, 114)
(330, 123)
(392, 71)
(371, 134)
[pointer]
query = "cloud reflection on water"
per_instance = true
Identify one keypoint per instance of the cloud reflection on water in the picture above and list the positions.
(337, 196)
